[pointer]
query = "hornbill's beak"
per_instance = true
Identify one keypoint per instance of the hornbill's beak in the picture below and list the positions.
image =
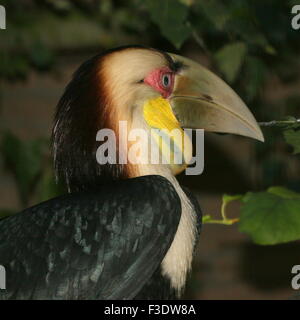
(200, 99)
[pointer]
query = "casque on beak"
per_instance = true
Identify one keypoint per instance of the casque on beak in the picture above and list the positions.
(201, 100)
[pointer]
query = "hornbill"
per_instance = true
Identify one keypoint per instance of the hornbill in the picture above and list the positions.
(124, 230)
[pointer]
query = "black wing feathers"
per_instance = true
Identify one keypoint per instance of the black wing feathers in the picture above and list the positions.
(102, 244)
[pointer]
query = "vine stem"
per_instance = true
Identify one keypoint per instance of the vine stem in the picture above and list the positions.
(227, 222)
(226, 200)
(275, 123)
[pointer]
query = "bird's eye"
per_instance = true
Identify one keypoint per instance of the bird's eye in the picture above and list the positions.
(166, 80)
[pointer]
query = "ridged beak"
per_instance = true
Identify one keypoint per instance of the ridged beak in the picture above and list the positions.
(201, 100)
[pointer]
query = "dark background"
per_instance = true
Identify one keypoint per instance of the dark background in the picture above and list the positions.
(46, 41)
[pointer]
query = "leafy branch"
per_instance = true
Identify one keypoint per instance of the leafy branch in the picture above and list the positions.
(272, 216)
(280, 123)
(269, 217)
(291, 130)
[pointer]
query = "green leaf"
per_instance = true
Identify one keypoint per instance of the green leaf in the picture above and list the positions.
(216, 12)
(271, 217)
(13, 66)
(60, 5)
(47, 188)
(255, 71)
(230, 58)
(24, 159)
(41, 57)
(292, 137)
(170, 16)
(187, 2)
(284, 192)
(229, 198)
(206, 218)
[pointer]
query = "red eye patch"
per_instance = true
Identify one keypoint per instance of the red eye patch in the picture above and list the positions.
(162, 80)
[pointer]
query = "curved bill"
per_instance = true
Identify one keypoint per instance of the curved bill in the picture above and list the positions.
(201, 100)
